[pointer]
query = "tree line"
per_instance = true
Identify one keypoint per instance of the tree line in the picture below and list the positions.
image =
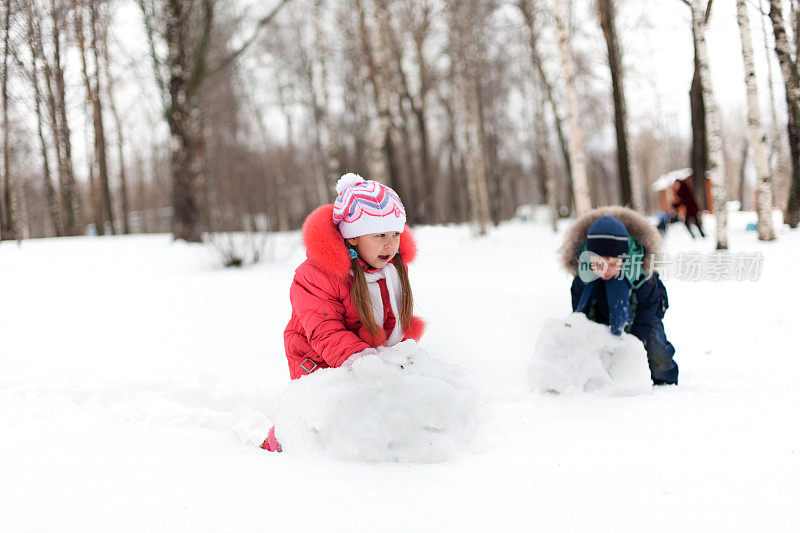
(468, 109)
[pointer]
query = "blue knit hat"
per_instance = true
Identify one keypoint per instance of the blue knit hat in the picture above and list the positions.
(608, 237)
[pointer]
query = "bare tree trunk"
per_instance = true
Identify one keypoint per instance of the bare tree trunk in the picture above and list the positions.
(185, 160)
(8, 230)
(69, 193)
(98, 210)
(743, 172)
(93, 101)
(527, 14)
(715, 155)
(779, 182)
(288, 199)
(52, 109)
(630, 186)
(418, 174)
(34, 44)
(97, 117)
(795, 15)
(545, 159)
(184, 74)
(331, 140)
(419, 107)
(792, 82)
(543, 91)
(378, 165)
(470, 131)
(307, 68)
(758, 138)
(450, 193)
(123, 179)
(577, 157)
(187, 33)
(699, 157)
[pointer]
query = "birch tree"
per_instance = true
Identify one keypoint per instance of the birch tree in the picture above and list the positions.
(791, 79)
(776, 158)
(577, 156)
(700, 13)
(758, 139)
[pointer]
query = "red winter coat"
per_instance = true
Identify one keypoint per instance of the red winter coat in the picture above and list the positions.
(325, 329)
(685, 197)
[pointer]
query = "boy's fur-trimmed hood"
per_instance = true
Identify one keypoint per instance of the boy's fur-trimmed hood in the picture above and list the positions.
(638, 227)
(325, 246)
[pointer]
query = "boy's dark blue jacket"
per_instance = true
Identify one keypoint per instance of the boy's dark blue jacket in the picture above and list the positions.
(648, 304)
(648, 296)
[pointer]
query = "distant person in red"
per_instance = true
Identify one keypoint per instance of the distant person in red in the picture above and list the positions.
(684, 197)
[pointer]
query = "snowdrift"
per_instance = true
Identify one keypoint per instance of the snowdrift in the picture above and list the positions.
(401, 405)
(576, 355)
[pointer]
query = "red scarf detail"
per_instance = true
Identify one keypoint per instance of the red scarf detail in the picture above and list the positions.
(369, 269)
(388, 316)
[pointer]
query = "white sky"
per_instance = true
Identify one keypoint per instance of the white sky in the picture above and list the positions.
(663, 52)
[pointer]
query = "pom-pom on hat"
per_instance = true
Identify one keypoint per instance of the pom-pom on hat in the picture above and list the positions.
(608, 237)
(364, 206)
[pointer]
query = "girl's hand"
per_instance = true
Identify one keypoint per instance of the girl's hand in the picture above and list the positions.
(348, 363)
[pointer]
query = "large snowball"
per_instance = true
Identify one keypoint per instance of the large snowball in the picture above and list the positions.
(577, 355)
(400, 405)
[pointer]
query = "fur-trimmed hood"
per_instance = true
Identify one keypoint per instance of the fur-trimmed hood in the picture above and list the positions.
(325, 246)
(638, 227)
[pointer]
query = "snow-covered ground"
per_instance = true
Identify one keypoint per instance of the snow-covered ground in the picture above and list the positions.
(131, 366)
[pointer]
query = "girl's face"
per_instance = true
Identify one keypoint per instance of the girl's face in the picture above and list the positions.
(377, 249)
(606, 267)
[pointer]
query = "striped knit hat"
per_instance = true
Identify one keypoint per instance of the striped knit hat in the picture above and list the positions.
(364, 206)
(608, 237)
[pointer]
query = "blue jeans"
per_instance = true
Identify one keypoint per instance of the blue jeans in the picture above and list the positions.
(663, 369)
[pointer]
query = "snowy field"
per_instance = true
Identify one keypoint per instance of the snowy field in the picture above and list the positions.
(133, 368)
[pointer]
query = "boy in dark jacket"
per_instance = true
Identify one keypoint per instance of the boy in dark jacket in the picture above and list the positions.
(611, 251)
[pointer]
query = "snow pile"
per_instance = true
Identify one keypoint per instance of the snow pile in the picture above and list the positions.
(400, 405)
(577, 355)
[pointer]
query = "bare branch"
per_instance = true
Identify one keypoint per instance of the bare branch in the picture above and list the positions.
(199, 67)
(154, 56)
(708, 12)
(250, 40)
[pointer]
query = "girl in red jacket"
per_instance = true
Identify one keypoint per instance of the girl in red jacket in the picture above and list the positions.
(352, 293)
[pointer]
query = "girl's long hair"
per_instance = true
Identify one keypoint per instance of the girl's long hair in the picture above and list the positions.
(360, 295)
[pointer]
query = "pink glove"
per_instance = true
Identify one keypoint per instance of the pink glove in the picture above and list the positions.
(348, 363)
